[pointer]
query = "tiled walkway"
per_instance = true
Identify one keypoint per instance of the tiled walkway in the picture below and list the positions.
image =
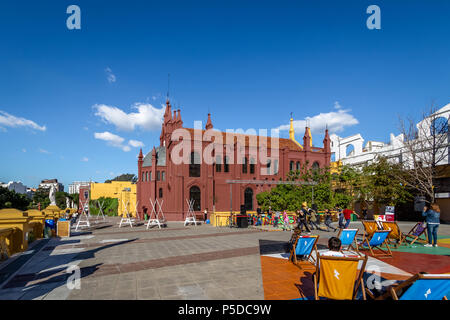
(194, 262)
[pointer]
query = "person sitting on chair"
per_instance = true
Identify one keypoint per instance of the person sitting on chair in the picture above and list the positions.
(334, 248)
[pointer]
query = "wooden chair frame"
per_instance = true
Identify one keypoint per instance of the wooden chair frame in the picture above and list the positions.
(309, 257)
(359, 280)
(355, 248)
(384, 253)
(394, 290)
(398, 236)
(414, 238)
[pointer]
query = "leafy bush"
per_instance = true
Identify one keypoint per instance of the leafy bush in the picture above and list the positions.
(109, 206)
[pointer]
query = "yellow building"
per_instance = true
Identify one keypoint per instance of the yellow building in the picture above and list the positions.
(123, 191)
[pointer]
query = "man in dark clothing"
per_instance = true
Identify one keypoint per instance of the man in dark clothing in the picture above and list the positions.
(302, 220)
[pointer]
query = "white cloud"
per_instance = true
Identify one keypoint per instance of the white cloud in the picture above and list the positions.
(112, 139)
(110, 75)
(44, 151)
(336, 121)
(85, 159)
(8, 120)
(147, 117)
(136, 143)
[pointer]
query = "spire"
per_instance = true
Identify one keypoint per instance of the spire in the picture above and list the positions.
(140, 155)
(209, 123)
(292, 133)
(168, 112)
(179, 117)
(307, 139)
(326, 140)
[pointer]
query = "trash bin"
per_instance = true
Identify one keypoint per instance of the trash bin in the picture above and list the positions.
(49, 228)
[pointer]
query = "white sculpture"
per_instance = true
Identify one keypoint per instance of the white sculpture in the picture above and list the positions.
(52, 196)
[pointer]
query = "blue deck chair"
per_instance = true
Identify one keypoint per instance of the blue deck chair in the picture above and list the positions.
(303, 247)
(348, 239)
(423, 287)
(376, 241)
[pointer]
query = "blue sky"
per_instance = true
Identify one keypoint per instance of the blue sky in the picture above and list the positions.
(250, 63)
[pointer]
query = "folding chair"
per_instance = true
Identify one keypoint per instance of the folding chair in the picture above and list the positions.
(370, 226)
(376, 241)
(395, 234)
(348, 238)
(422, 287)
(416, 232)
(335, 277)
(304, 246)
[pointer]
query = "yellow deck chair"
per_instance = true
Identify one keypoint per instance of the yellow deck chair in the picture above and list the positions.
(370, 226)
(338, 278)
(395, 234)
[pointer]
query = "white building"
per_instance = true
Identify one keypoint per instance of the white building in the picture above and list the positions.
(47, 184)
(18, 186)
(352, 151)
(74, 187)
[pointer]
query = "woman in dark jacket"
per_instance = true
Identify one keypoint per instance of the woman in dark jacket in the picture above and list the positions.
(432, 219)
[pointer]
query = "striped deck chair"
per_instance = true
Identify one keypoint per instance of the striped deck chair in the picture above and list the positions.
(303, 247)
(375, 242)
(422, 287)
(348, 239)
(416, 232)
(395, 234)
(335, 277)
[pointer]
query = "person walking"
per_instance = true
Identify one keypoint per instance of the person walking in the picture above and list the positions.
(432, 216)
(302, 219)
(313, 219)
(340, 218)
(328, 220)
(348, 216)
(276, 218)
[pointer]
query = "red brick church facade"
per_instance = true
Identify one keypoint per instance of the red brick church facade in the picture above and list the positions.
(162, 178)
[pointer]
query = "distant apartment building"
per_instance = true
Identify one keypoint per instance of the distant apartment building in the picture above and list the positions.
(46, 184)
(74, 187)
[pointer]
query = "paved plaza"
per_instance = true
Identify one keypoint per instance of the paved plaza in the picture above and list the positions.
(193, 262)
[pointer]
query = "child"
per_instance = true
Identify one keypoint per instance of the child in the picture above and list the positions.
(334, 248)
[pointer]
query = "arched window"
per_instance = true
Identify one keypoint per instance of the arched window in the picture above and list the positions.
(160, 192)
(252, 165)
(291, 166)
(349, 150)
(194, 165)
(226, 164)
(315, 166)
(297, 166)
(218, 164)
(248, 199)
(194, 194)
(268, 166)
(244, 165)
(275, 166)
(143, 176)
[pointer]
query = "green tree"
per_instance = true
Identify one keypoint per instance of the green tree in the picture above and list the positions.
(12, 199)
